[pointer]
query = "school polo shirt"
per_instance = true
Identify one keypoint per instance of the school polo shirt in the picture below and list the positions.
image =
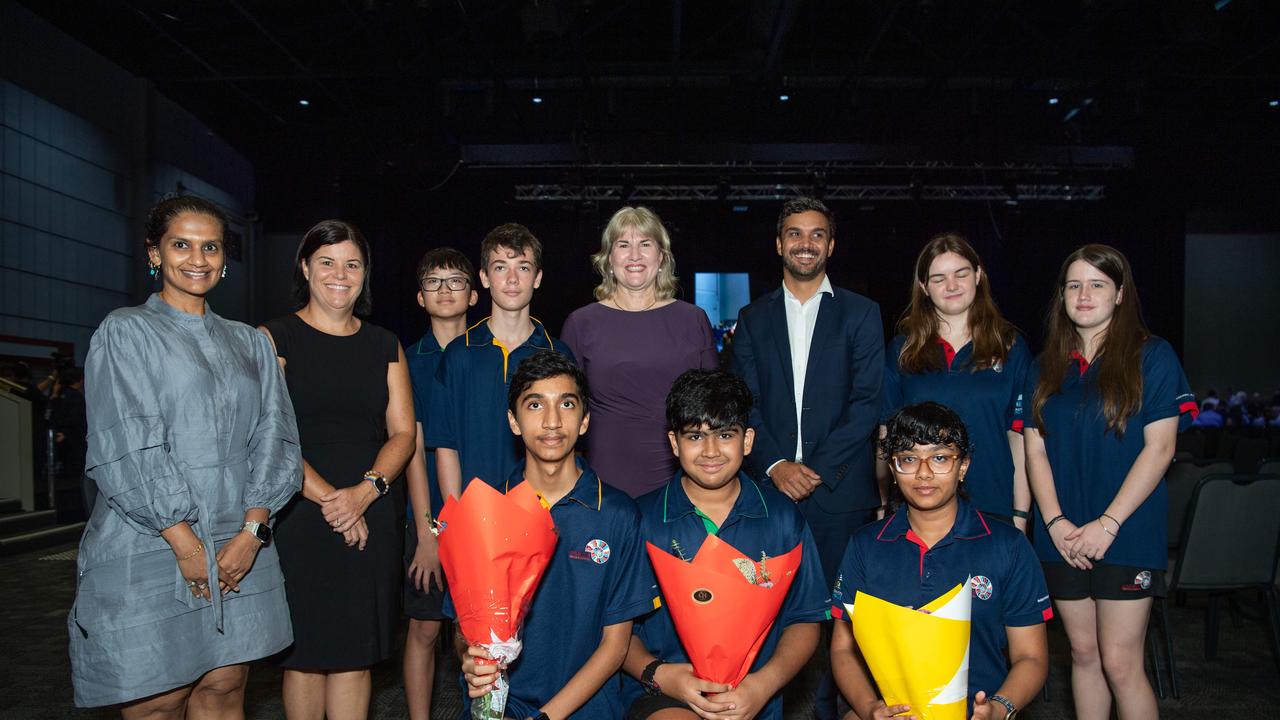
(988, 401)
(762, 520)
(424, 359)
(1090, 462)
(888, 560)
(598, 576)
(469, 404)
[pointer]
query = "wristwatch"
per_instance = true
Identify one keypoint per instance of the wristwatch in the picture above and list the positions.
(259, 530)
(1012, 710)
(379, 481)
(646, 678)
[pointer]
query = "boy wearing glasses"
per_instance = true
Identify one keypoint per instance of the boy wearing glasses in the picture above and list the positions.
(445, 291)
(934, 540)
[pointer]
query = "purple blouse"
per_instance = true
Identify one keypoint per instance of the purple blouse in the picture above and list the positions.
(631, 359)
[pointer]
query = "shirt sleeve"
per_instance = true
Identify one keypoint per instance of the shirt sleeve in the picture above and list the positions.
(631, 583)
(275, 458)
(807, 600)
(1165, 390)
(128, 453)
(1025, 599)
(849, 580)
(891, 389)
(1018, 363)
(442, 430)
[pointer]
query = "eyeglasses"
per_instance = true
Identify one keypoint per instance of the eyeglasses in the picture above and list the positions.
(455, 283)
(910, 464)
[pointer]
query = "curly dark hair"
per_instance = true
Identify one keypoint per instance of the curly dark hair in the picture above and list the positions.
(715, 398)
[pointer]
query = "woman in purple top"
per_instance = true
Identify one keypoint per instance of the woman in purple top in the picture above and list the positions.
(633, 343)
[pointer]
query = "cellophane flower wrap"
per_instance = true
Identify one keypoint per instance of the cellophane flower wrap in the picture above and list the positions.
(918, 657)
(494, 549)
(723, 604)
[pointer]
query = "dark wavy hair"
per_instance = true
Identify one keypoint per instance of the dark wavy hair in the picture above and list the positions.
(926, 423)
(992, 334)
(445, 258)
(806, 204)
(542, 365)
(514, 237)
(1120, 377)
(170, 207)
(716, 398)
(331, 232)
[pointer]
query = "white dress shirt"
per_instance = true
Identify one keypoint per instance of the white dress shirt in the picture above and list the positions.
(802, 317)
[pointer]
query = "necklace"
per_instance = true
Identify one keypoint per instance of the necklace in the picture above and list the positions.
(618, 305)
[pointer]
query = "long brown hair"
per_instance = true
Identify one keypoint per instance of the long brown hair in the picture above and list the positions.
(991, 334)
(1120, 377)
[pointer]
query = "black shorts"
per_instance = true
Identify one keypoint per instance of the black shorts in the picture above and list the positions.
(420, 604)
(1103, 582)
(646, 705)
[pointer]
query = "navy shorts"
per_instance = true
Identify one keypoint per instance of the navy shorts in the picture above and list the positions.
(1103, 582)
(420, 604)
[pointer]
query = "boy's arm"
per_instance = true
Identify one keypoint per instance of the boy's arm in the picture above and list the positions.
(795, 647)
(675, 680)
(594, 673)
(854, 679)
(426, 561)
(448, 472)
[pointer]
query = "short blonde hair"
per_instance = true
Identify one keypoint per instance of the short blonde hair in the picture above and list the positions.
(647, 223)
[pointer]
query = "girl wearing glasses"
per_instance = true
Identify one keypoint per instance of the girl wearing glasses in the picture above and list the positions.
(934, 540)
(632, 344)
(1107, 402)
(954, 346)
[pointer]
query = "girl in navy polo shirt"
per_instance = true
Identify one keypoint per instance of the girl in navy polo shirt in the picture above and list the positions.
(954, 347)
(934, 540)
(1107, 402)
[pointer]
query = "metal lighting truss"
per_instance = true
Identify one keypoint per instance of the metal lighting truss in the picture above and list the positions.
(953, 192)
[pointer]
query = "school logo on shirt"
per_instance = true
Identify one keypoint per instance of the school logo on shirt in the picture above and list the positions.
(997, 366)
(982, 587)
(598, 551)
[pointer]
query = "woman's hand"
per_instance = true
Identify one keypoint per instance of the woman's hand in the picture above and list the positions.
(678, 681)
(196, 574)
(426, 564)
(342, 508)
(358, 535)
(1058, 534)
(1090, 542)
(479, 671)
(879, 711)
(235, 559)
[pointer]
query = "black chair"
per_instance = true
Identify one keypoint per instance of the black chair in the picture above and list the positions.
(1269, 467)
(1249, 453)
(1181, 480)
(1230, 541)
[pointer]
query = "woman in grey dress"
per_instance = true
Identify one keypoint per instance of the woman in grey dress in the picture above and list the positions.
(193, 446)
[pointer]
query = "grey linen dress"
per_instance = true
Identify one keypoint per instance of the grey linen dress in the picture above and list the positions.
(189, 421)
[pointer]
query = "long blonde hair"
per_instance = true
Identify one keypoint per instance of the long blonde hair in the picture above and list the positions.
(647, 223)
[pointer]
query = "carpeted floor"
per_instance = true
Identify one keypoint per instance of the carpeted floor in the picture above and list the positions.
(1242, 681)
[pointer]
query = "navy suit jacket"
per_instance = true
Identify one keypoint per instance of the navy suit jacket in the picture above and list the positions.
(841, 394)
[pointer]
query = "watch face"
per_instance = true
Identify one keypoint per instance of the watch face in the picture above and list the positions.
(263, 533)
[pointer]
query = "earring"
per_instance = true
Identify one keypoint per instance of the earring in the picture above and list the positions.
(224, 271)
(153, 268)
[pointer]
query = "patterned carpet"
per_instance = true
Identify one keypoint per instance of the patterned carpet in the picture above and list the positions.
(1242, 681)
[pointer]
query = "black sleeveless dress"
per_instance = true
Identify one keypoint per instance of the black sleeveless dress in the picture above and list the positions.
(344, 603)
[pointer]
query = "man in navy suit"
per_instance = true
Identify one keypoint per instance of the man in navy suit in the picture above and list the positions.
(813, 356)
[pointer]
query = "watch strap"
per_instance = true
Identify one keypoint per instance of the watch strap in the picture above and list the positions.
(260, 531)
(379, 481)
(1011, 710)
(646, 678)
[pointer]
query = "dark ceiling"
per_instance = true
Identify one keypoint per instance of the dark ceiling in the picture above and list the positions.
(406, 85)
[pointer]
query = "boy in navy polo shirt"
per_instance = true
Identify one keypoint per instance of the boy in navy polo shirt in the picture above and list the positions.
(465, 424)
(934, 540)
(445, 291)
(578, 626)
(707, 416)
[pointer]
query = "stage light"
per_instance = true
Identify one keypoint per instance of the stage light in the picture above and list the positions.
(304, 103)
(1274, 103)
(537, 100)
(1053, 101)
(784, 98)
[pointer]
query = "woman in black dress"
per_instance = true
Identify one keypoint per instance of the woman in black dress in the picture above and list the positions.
(340, 540)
